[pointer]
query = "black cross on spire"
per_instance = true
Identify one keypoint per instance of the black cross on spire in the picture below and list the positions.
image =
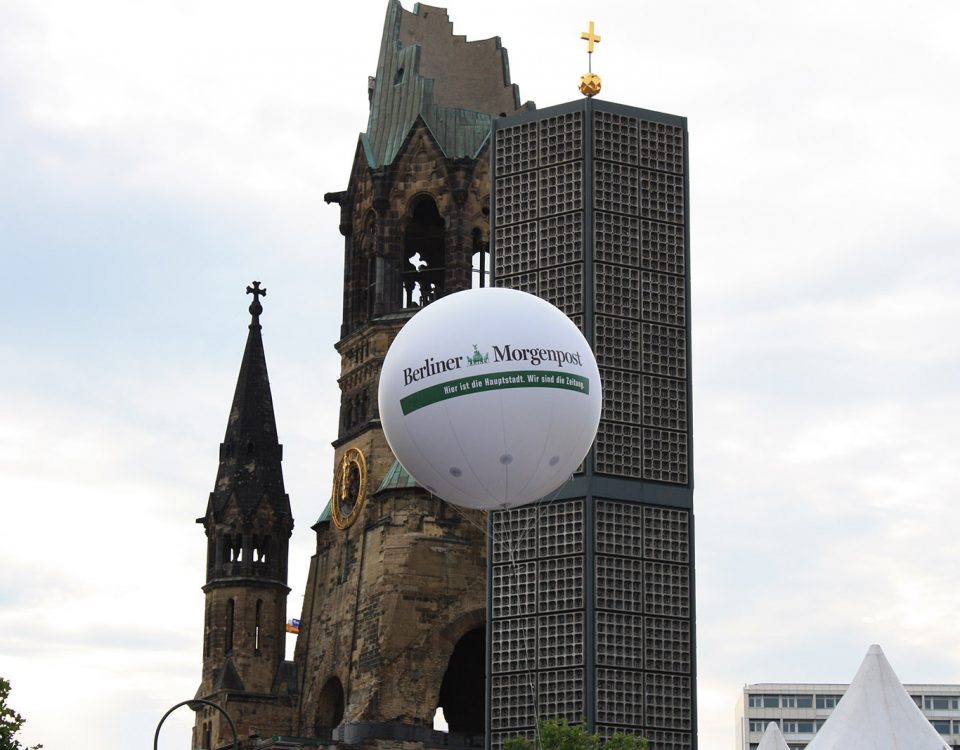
(255, 307)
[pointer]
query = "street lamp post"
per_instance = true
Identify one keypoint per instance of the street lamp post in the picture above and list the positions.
(192, 703)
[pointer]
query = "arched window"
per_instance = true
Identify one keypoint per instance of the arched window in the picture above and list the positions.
(362, 406)
(366, 266)
(371, 292)
(256, 627)
(206, 629)
(229, 623)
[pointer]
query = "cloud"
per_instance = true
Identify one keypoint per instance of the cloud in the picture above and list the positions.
(160, 156)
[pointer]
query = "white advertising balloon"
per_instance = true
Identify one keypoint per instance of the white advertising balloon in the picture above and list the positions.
(490, 398)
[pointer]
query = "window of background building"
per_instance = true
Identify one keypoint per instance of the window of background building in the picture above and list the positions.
(797, 701)
(828, 701)
(759, 726)
(941, 702)
(941, 726)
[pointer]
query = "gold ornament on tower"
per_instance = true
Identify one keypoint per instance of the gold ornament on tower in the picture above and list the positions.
(589, 84)
(590, 81)
(349, 488)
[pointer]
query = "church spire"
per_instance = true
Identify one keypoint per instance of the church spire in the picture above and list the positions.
(248, 513)
(250, 454)
(248, 525)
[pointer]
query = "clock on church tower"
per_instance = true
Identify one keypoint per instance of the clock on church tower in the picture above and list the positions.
(349, 488)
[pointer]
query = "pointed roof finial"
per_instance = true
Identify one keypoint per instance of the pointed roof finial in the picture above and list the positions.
(255, 307)
(590, 81)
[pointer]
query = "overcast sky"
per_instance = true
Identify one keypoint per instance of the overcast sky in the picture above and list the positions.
(155, 157)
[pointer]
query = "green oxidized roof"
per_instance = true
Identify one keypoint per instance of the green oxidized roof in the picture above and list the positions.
(324, 514)
(424, 70)
(397, 478)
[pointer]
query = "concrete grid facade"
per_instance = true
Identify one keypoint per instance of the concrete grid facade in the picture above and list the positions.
(591, 593)
(800, 709)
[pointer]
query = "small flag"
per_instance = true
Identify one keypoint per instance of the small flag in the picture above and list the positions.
(293, 626)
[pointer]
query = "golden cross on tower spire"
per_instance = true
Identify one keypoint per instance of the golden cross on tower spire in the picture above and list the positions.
(590, 38)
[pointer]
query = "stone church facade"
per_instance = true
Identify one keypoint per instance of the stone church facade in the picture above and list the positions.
(393, 620)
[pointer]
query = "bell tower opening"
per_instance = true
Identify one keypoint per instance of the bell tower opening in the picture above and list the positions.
(423, 255)
(480, 262)
(462, 691)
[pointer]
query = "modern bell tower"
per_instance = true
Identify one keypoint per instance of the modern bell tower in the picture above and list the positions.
(591, 593)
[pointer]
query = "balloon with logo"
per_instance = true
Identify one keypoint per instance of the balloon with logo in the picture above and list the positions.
(490, 398)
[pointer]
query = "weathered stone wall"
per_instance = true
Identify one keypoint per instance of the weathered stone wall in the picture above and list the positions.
(255, 717)
(387, 601)
(255, 658)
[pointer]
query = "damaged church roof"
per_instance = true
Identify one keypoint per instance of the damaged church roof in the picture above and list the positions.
(427, 71)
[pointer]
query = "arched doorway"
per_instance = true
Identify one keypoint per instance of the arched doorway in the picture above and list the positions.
(462, 692)
(329, 708)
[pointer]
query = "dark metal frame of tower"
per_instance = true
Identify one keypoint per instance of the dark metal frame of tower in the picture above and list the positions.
(541, 178)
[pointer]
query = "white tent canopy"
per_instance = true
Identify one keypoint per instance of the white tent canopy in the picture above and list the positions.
(876, 713)
(773, 738)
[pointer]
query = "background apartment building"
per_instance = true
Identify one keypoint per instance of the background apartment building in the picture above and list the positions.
(801, 709)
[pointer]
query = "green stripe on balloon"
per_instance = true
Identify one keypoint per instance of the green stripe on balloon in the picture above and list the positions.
(493, 382)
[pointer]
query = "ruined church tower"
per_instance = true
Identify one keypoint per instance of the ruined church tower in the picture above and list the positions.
(395, 606)
(248, 525)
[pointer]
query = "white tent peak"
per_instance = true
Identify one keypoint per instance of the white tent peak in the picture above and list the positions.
(773, 738)
(877, 713)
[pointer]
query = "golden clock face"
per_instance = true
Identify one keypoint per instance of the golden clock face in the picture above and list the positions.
(349, 488)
